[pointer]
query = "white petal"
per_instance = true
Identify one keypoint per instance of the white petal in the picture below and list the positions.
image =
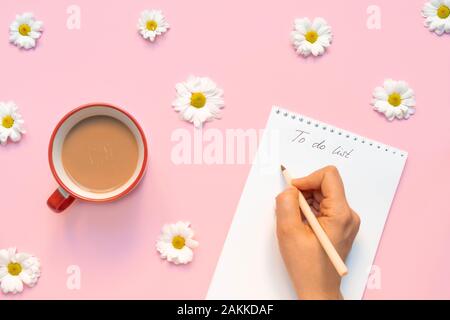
(13, 37)
(3, 272)
(22, 256)
(14, 26)
(429, 10)
(151, 35)
(4, 257)
(304, 48)
(410, 102)
(297, 36)
(158, 16)
(324, 41)
(179, 227)
(189, 113)
(440, 30)
(181, 104)
(380, 93)
(207, 85)
(186, 232)
(173, 229)
(204, 115)
(15, 135)
(26, 42)
(28, 278)
(436, 3)
(401, 87)
(12, 254)
(9, 109)
(403, 108)
(193, 84)
(162, 246)
(145, 15)
(34, 34)
(381, 105)
(37, 25)
(317, 49)
(182, 90)
(318, 23)
(324, 30)
(398, 113)
(26, 17)
(411, 110)
(408, 94)
(447, 25)
(168, 232)
(3, 137)
(185, 255)
(389, 86)
(437, 25)
(173, 254)
(198, 121)
(391, 111)
(302, 25)
(191, 243)
(11, 284)
(31, 276)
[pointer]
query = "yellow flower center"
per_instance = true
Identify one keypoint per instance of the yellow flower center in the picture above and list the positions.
(311, 36)
(198, 100)
(14, 268)
(443, 12)
(24, 29)
(395, 99)
(152, 25)
(178, 242)
(8, 122)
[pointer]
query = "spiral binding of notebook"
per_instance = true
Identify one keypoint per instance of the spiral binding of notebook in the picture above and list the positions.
(315, 124)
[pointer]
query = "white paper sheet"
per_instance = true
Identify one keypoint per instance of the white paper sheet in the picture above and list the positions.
(250, 266)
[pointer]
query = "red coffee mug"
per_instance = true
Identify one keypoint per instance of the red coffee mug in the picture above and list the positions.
(68, 191)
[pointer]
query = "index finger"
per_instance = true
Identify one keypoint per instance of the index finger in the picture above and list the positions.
(327, 180)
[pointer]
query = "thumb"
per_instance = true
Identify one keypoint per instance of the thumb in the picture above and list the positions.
(288, 210)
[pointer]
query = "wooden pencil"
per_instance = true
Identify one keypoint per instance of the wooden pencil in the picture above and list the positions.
(325, 242)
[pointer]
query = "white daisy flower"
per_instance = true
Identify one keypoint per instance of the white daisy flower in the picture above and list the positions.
(395, 99)
(437, 16)
(17, 269)
(152, 23)
(11, 122)
(198, 100)
(175, 243)
(311, 38)
(25, 30)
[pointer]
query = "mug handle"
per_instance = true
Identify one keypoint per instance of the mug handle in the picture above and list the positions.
(60, 200)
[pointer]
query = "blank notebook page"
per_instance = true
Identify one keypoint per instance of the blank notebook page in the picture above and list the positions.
(250, 265)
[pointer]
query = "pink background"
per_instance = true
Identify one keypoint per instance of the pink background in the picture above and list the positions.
(244, 46)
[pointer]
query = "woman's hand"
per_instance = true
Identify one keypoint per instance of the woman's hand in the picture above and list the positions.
(310, 269)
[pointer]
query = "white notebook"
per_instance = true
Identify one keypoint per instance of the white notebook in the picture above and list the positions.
(250, 265)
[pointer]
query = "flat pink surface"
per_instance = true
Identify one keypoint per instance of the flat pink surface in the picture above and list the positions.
(244, 46)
